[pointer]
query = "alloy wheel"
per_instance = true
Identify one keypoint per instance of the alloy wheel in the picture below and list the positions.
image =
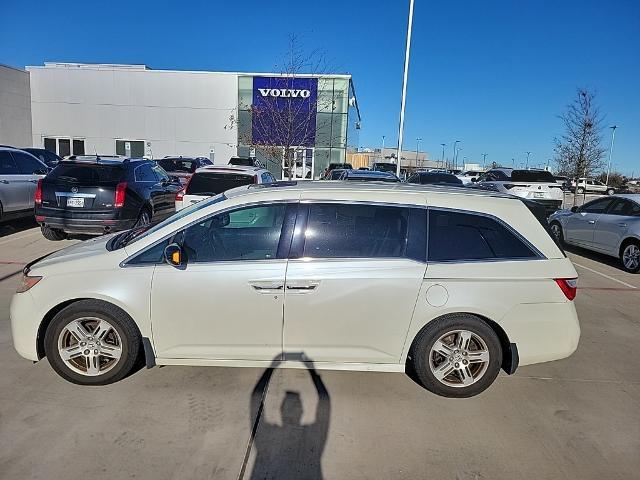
(90, 346)
(631, 256)
(459, 358)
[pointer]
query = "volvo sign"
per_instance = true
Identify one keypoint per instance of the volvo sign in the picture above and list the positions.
(284, 92)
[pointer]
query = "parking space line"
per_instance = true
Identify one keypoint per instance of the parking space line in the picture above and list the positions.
(605, 276)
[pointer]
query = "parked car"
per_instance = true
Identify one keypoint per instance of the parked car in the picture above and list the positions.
(94, 195)
(564, 182)
(385, 167)
(336, 174)
(469, 176)
(335, 166)
(609, 225)
(368, 176)
(47, 157)
(538, 185)
(591, 186)
(209, 181)
(19, 175)
(425, 178)
(210, 282)
(183, 167)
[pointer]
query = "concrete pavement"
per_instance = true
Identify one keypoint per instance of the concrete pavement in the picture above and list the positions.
(574, 418)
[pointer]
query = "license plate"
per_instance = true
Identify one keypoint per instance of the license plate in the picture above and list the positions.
(538, 194)
(75, 202)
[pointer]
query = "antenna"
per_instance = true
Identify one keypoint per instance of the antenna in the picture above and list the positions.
(96, 152)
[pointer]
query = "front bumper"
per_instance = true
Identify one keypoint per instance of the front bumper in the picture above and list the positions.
(25, 322)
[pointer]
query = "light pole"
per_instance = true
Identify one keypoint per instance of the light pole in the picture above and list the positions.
(526, 165)
(418, 140)
(484, 160)
(442, 161)
(455, 161)
(404, 85)
(455, 144)
(613, 137)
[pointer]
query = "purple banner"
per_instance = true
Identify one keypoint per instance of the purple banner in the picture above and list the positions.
(284, 111)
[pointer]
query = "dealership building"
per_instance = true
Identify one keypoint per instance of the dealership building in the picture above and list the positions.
(135, 111)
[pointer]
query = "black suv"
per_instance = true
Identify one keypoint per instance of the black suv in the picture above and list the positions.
(96, 195)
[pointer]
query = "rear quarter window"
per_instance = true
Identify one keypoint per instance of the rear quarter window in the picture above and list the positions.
(465, 236)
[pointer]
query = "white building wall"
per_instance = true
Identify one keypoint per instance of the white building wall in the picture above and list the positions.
(15, 107)
(178, 113)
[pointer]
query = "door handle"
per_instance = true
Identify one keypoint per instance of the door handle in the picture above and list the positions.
(302, 287)
(6, 182)
(591, 222)
(266, 287)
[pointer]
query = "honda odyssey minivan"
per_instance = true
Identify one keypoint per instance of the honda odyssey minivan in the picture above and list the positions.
(453, 284)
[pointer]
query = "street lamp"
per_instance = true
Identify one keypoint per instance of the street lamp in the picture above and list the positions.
(613, 137)
(527, 164)
(418, 140)
(455, 144)
(404, 85)
(484, 160)
(442, 161)
(455, 161)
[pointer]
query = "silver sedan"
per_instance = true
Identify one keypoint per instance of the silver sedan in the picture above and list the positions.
(609, 225)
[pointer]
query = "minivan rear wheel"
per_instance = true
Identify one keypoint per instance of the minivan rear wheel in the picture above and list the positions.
(457, 355)
(92, 342)
(52, 233)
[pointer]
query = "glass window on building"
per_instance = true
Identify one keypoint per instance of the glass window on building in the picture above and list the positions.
(341, 95)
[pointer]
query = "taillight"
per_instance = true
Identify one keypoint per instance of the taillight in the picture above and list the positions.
(569, 286)
(121, 192)
(180, 195)
(37, 198)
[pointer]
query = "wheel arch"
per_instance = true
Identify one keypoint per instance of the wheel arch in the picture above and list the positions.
(626, 242)
(48, 317)
(509, 350)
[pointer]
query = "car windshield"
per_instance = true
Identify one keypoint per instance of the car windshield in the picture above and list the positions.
(535, 176)
(212, 183)
(142, 233)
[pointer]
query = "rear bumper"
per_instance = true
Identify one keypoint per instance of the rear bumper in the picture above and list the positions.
(84, 223)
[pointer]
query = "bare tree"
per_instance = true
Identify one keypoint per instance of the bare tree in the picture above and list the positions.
(284, 108)
(579, 151)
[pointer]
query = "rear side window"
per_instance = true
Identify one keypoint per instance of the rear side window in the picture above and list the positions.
(459, 236)
(86, 174)
(364, 231)
(7, 165)
(27, 164)
(210, 183)
(144, 173)
(625, 208)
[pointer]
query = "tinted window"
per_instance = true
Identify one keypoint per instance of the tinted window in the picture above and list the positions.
(539, 176)
(210, 183)
(27, 164)
(357, 231)
(86, 174)
(7, 165)
(495, 176)
(427, 178)
(246, 162)
(247, 234)
(456, 236)
(597, 206)
(625, 208)
(144, 173)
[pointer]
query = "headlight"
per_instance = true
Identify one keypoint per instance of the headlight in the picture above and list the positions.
(27, 283)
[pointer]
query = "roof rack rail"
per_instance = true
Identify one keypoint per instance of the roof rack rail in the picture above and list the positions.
(279, 183)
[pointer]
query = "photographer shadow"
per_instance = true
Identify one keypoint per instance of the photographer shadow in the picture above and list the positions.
(290, 449)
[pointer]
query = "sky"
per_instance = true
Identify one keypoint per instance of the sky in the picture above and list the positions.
(493, 74)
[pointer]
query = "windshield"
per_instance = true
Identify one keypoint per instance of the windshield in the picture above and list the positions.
(140, 234)
(210, 183)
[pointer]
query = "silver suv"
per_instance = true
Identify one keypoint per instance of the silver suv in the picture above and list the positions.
(19, 175)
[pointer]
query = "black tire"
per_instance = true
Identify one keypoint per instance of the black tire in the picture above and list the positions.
(580, 190)
(626, 246)
(556, 231)
(53, 233)
(421, 349)
(127, 330)
(144, 218)
(610, 191)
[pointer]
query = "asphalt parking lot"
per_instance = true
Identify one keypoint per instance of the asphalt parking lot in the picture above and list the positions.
(574, 418)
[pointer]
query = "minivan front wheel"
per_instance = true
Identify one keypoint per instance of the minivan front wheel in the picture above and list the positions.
(457, 355)
(91, 342)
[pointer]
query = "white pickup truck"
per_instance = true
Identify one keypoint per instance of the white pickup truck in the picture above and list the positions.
(590, 185)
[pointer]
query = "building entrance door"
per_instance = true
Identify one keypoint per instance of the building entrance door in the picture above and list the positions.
(303, 159)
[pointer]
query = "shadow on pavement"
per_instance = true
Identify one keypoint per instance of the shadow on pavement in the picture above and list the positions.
(289, 449)
(595, 256)
(17, 225)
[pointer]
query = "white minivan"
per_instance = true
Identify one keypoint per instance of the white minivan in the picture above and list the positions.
(453, 284)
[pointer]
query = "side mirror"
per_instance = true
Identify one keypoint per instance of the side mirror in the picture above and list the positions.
(574, 209)
(173, 255)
